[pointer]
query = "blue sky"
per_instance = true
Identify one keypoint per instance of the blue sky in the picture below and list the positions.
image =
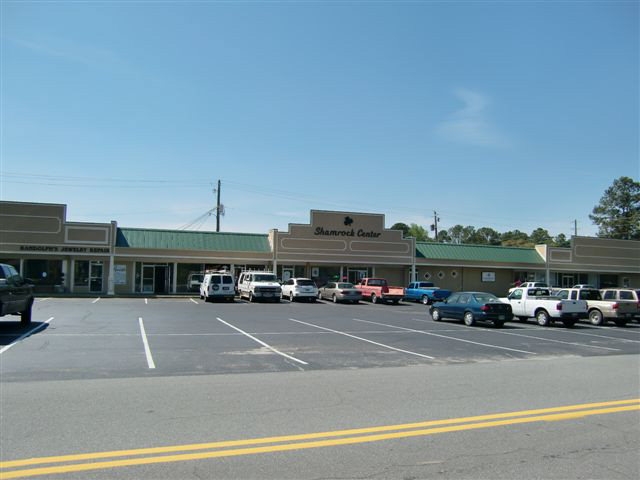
(504, 114)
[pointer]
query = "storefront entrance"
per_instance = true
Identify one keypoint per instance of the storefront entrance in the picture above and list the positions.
(155, 279)
(95, 276)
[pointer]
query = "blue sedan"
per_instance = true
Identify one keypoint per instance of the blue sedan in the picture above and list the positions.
(471, 307)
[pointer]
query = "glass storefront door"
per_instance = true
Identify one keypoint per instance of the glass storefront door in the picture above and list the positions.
(96, 270)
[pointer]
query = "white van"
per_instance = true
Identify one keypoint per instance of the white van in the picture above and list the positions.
(259, 285)
(217, 285)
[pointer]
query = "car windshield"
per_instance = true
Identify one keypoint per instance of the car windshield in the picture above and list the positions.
(306, 283)
(265, 278)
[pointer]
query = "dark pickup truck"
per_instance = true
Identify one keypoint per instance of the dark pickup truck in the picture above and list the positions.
(16, 294)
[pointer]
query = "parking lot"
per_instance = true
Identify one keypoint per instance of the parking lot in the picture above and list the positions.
(110, 338)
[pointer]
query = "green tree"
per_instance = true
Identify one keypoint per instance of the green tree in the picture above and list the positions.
(618, 213)
(401, 226)
(561, 241)
(486, 236)
(540, 236)
(516, 238)
(418, 232)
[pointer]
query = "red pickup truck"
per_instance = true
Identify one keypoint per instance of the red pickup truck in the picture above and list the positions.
(377, 290)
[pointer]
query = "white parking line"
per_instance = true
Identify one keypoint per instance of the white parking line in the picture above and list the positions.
(575, 344)
(146, 302)
(447, 337)
(572, 331)
(30, 332)
(194, 301)
(96, 300)
(39, 300)
(262, 343)
(147, 350)
(363, 339)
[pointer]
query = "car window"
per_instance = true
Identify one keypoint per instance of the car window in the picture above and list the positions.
(564, 294)
(264, 278)
(485, 297)
(453, 298)
(590, 295)
(464, 298)
(626, 295)
(227, 280)
(345, 285)
(215, 279)
(611, 295)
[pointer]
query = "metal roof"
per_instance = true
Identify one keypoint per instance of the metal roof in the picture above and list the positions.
(186, 240)
(477, 253)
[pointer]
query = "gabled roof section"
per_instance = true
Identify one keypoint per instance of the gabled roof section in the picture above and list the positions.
(186, 240)
(478, 253)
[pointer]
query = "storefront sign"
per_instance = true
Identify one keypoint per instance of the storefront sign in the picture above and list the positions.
(346, 233)
(120, 274)
(55, 249)
(488, 276)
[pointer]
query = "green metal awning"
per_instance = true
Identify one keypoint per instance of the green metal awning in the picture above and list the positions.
(477, 253)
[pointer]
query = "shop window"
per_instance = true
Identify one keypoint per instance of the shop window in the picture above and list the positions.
(81, 273)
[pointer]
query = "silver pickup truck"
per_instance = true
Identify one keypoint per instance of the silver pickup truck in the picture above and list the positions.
(16, 294)
(600, 311)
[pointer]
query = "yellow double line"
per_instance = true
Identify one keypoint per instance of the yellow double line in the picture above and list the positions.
(147, 456)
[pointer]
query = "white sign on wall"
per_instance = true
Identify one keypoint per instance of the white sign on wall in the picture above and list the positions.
(488, 276)
(120, 274)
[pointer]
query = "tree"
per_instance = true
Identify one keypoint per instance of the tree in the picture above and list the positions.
(401, 226)
(561, 241)
(486, 236)
(418, 232)
(516, 238)
(540, 236)
(618, 213)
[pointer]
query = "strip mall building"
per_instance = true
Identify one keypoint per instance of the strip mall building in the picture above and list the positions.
(105, 259)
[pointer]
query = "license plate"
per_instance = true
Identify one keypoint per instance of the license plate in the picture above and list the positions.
(574, 314)
(500, 317)
(225, 288)
(267, 294)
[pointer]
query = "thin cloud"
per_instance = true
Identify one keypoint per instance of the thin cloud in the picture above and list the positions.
(89, 56)
(470, 124)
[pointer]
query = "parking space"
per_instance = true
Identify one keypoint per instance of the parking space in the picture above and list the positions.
(110, 338)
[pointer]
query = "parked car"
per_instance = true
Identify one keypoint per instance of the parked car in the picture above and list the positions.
(530, 285)
(16, 294)
(623, 295)
(601, 311)
(339, 292)
(194, 280)
(546, 308)
(259, 285)
(378, 290)
(217, 285)
(299, 289)
(425, 292)
(471, 307)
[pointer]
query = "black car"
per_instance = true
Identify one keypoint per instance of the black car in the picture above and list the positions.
(471, 307)
(16, 294)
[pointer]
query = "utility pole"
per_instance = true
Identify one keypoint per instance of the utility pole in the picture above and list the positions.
(434, 225)
(575, 228)
(219, 208)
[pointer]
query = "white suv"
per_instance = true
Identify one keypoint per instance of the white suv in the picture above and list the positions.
(217, 285)
(259, 285)
(299, 288)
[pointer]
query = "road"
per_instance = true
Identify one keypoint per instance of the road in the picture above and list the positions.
(176, 388)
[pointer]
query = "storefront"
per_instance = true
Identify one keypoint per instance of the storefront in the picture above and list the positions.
(104, 259)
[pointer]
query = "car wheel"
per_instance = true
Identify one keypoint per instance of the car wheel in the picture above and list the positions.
(425, 300)
(251, 298)
(374, 299)
(25, 316)
(435, 314)
(468, 319)
(291, 296)
(542, 317)
(334, 298)
(319, 296)
(595, 317)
